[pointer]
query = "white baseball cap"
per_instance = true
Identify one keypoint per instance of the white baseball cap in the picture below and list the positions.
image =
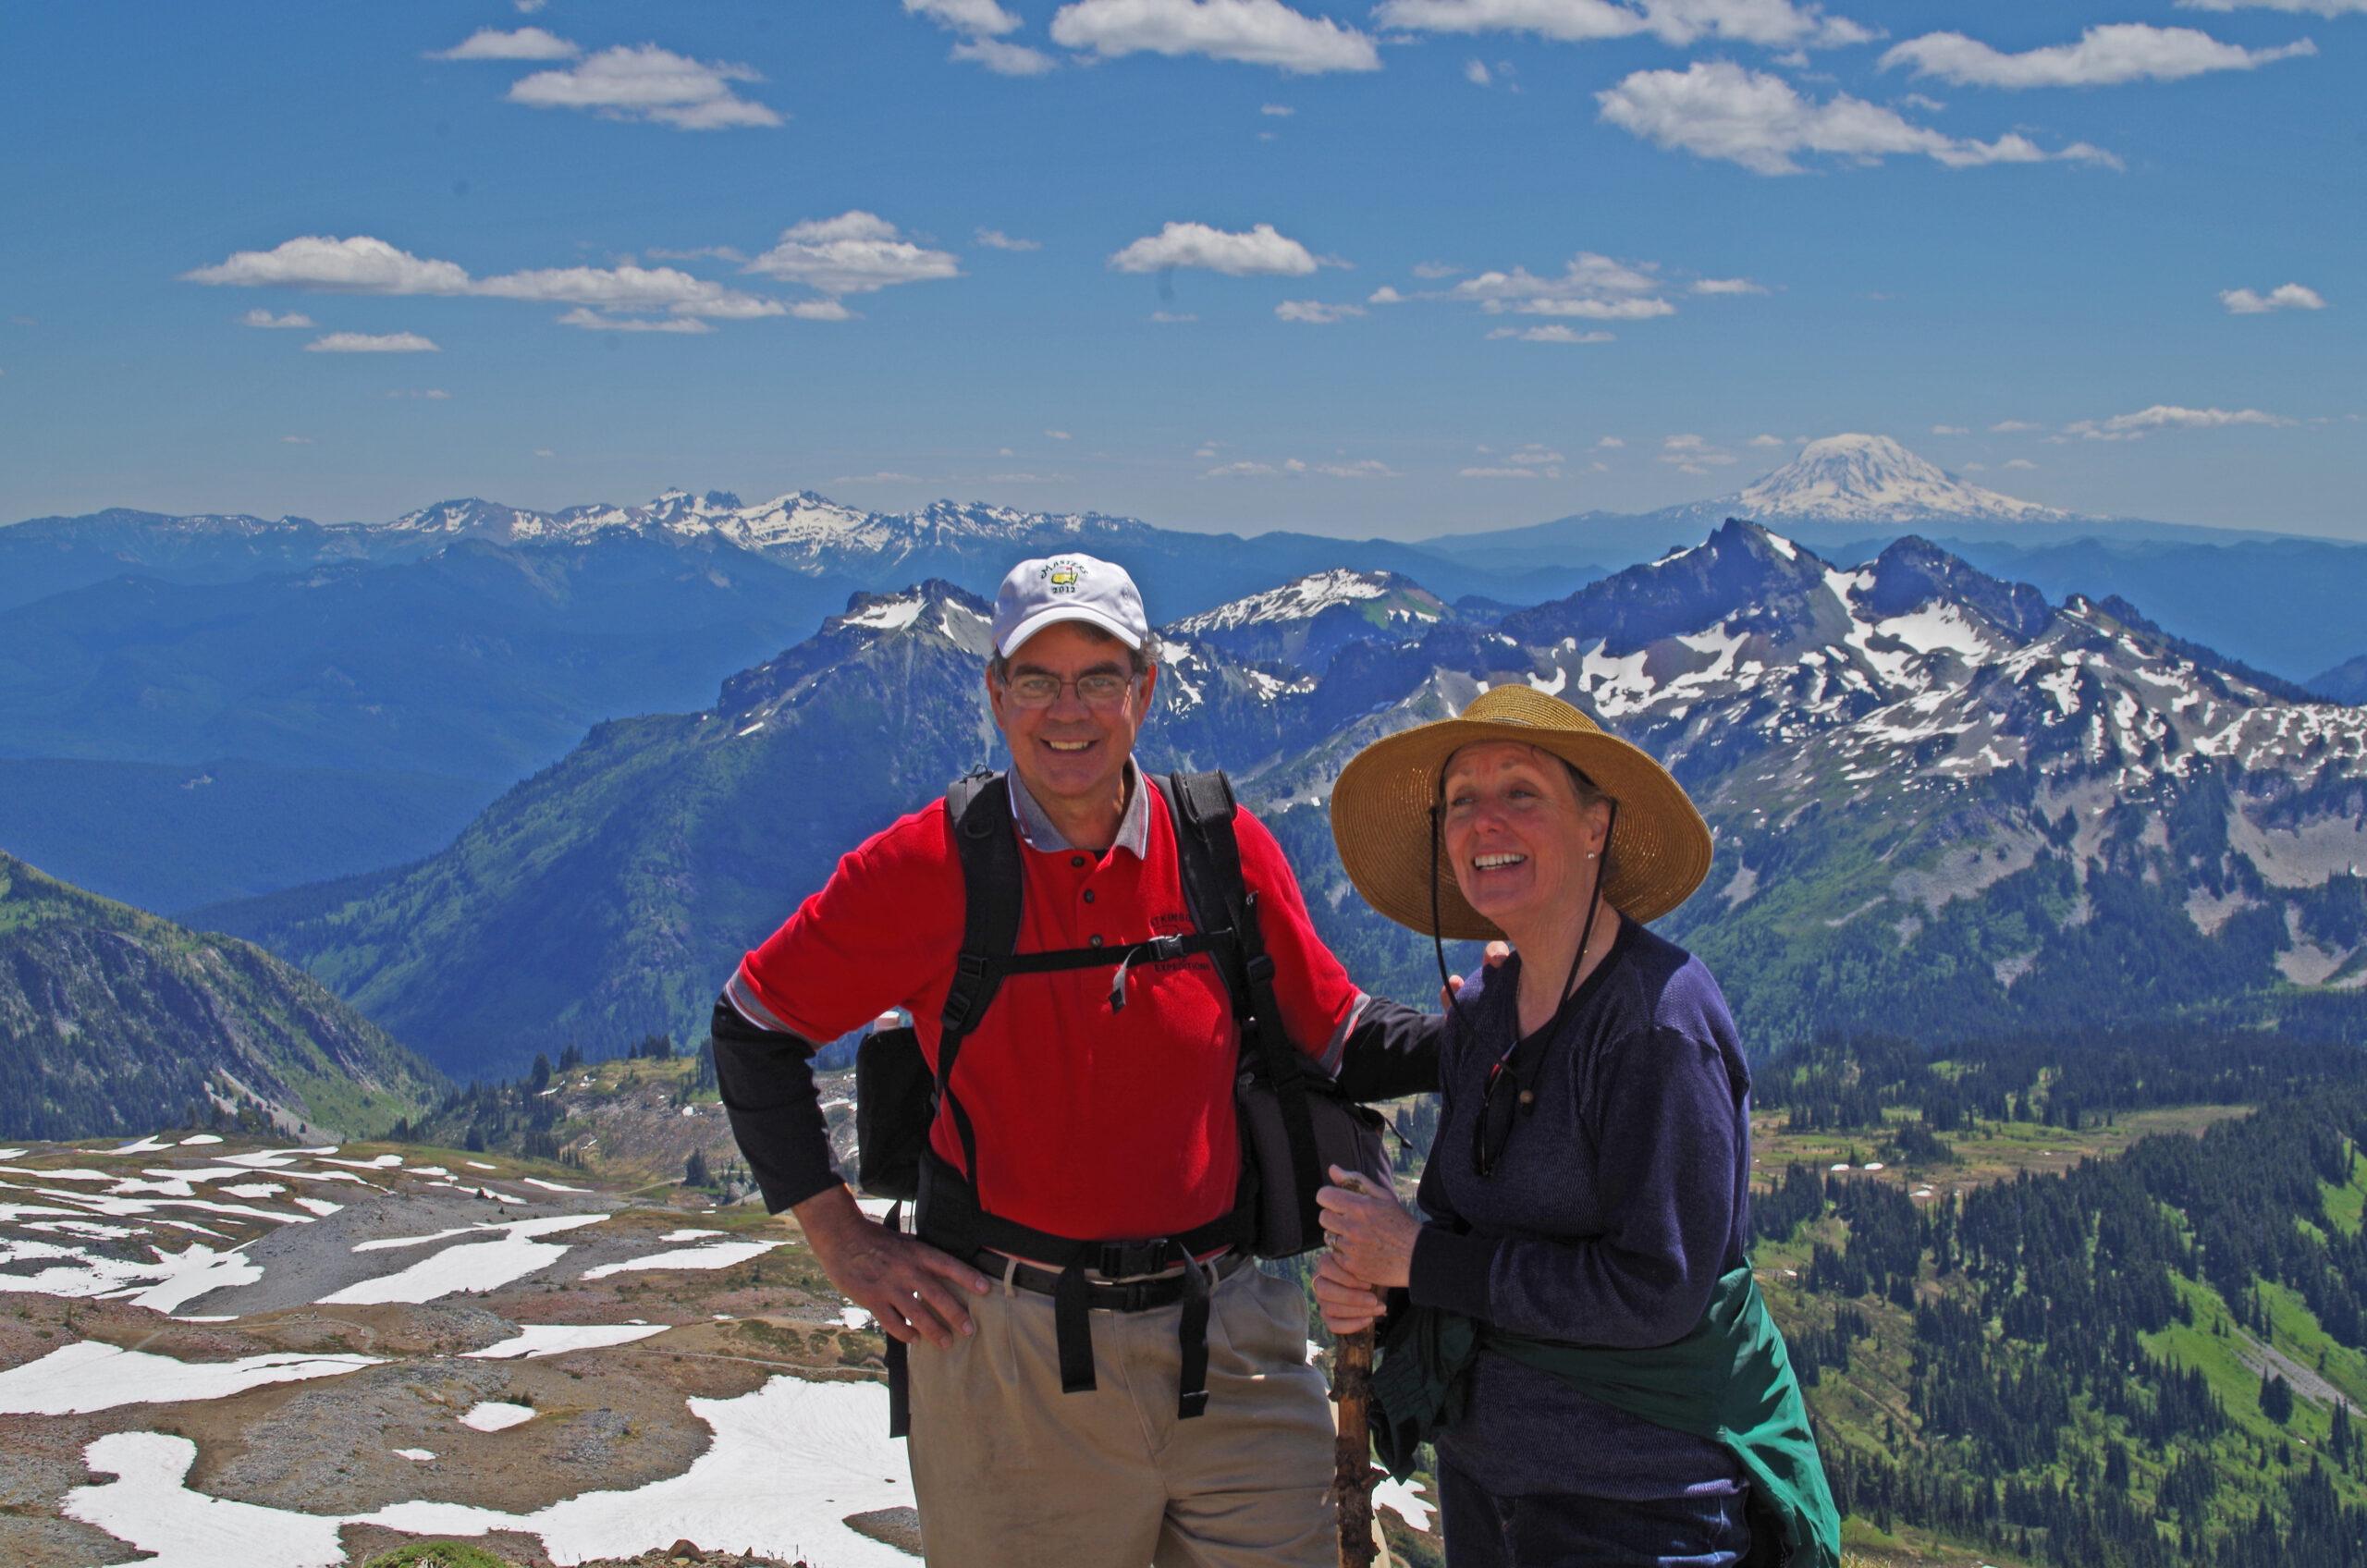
(1056, 588)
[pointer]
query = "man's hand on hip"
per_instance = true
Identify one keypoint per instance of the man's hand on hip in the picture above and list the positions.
(908, 1285)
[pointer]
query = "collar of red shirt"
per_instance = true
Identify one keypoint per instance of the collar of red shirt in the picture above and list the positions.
(1134, 828)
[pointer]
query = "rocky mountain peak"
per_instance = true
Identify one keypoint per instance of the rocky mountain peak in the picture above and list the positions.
(1859, 478)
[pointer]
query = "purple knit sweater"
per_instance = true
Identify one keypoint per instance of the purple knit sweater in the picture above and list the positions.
(1620, 1198)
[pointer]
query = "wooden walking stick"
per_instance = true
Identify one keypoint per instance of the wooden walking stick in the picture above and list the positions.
(1352, 1457)
(1352, 1471)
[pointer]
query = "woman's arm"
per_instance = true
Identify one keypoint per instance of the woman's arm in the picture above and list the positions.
(1669, 1161)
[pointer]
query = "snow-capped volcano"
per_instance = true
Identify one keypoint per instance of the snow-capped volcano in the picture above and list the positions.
(1854, 478)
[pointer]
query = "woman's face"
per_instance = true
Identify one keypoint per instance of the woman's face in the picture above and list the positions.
(1517, 837)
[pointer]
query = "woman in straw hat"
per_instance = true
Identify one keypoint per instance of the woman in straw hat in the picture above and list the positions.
(1572, 1318)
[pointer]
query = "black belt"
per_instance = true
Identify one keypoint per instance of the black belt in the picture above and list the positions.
(1115, 1295)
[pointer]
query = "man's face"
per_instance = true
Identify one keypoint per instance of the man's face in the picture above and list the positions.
(1072, 752)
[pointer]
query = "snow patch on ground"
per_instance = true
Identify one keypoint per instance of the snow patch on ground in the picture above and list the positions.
(467, 1266)
(723, 1254)
(535, 1340)
(1398, 1498)
(496, 1416)
(78, 1378)
(789, 1464)
(149, 1505)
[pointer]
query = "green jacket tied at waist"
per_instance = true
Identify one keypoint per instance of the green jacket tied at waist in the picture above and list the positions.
(1729, 1381)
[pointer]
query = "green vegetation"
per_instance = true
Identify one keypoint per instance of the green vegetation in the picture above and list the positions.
(438, 1554)
(2045, 1351)
(113, 1021)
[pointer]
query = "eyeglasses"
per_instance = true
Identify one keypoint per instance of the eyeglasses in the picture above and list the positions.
(1098, 689)
(1502, 1101)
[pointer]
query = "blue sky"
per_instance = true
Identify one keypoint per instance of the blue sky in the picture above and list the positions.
(1404, 270)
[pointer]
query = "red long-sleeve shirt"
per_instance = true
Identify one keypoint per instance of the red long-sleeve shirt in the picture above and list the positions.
(1094, 1124)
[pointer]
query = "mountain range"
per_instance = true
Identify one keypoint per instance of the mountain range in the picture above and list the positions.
(1942, 803)
(116, 1022)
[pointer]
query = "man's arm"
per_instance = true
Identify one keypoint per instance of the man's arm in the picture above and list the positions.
(767, 1080)
(1391, 1051)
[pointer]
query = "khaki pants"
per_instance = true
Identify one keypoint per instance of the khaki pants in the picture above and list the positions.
(1012, 1473)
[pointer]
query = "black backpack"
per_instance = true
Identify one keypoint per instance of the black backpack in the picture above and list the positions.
(1295, 1123)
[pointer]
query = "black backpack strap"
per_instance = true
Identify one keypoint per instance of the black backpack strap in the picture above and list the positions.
(977, 813)
(1209, 856)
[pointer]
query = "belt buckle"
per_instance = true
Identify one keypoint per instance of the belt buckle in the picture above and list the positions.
(1124, 1260)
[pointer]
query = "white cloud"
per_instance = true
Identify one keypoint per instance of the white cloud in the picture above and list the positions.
(1531, 461)
(2104, 56)
(1692, 454)
(1609, 442)
(981, 24)
(1436, 269)
(978, 18)
(1004, 59)
(630, 289)
(2286, 297)
(856, 252)
(1260, 253)
(367, 265)
(434, 394)
(996, 240)
(2019, 462)
(1174, 318)
(526, 44)
(1257, 33)
(1385, 295)
(1315, 313)
(1717, 109)
(820, 310)
(2310, 8)
(1775, 23)
(295, 440)
(260, 317)
(1763, 439)
(2168, 416)
(1554, 333)
(1593, 287)
(2013, 427)
(1727, 286)
(1294, 467)
(884, 476)
(1951, 430)
(642, 81)
(1060, 436)
(1476, 73)
(365, 343)
(359, 265)
(1281, 111)
(592, 321)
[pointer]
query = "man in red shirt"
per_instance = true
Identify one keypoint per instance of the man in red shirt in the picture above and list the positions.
(1092, 1118)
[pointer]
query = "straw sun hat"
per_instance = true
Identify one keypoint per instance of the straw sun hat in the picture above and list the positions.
(1380, 813)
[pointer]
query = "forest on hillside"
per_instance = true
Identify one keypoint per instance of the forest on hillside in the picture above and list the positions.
(2145, 1358)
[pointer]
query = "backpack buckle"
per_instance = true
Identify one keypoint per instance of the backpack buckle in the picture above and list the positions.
(1126, 1260)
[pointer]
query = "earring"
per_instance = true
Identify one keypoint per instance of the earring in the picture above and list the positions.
(1589, 854)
